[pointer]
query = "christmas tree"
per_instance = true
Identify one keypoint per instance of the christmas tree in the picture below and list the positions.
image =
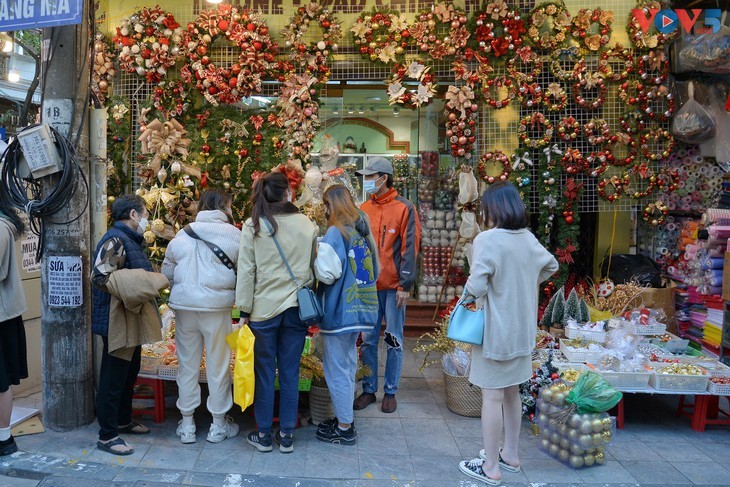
(543, 376)
(556, 317)
(572, 308)
(585, 313)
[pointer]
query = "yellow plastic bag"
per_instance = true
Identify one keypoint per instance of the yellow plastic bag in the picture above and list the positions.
(241, 342)
(597, 315)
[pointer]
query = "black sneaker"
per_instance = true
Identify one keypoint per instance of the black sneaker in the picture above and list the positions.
(338, 436)
(285, 442)
(261, 443)
(8, 446)
(330, 423)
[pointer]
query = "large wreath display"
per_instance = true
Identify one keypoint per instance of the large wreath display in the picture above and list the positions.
(441, 31)
(381, 35)
(249, 32)
(313, 55)
(399, 93)
(149, 41)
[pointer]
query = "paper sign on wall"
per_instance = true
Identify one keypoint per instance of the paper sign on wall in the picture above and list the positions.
(64, 281)
(28, 248)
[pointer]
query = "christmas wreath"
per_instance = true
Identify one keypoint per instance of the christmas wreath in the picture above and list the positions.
(249, 32)
(524, 56)
(592, 28)
(490, 158)
(568, 128)
(555, 98)
(572, 55)
(573, 161)
(621, 149)
(633, 178)
(652, 38)
(498, 84)
(299, 118)
(498, 29)
(552, 16)
(591, 82)
(399, 93)
(149, 41)
(441, 31)
(313, 55)
(535, 121)
(597, 131)
(461, 114)
(381, 35)
(653, 67)
(656, 213)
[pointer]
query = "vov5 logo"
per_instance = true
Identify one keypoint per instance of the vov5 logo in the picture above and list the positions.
(666, 21)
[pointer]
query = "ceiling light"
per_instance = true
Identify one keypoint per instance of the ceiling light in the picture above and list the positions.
(351, 110)
(335, 110)
(13, 75)
(396, 110)
(215, 1)
(361, 110)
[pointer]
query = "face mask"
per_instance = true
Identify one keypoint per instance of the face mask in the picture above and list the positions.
(290, 197)
(142, 224)
(370, 187)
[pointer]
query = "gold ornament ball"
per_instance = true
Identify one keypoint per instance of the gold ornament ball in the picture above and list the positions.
(158, 226)
(599, 457)
(597, 425)
(111, 199)
(141, 192)
(576, 461)
(149, 237)
(589, 460)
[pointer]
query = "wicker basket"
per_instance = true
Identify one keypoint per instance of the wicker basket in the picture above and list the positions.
(462, 397)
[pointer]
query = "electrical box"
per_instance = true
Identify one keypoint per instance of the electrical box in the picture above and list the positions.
(39, 151)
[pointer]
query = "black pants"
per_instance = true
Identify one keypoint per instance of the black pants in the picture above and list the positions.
(116, 388)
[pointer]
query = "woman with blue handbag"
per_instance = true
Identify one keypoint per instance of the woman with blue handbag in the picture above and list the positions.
(507, 265)
(275, 262)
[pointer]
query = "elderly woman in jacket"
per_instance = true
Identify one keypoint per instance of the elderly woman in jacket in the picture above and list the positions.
(347, 269)
(202, 295)
(266, 295)
(13, 353)
(507, 265)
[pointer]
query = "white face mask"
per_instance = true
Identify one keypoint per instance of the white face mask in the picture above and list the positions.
(370, 186)
(290, 197)
(142, 224)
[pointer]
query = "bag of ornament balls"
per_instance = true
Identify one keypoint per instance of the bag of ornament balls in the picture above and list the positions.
(573, 437)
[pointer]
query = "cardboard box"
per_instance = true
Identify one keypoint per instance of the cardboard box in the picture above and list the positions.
(726, 278)
(661, 298)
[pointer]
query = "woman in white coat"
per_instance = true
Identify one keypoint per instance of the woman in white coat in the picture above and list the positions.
(203, 289)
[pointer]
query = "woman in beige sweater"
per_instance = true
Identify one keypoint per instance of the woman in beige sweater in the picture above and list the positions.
(266, 295)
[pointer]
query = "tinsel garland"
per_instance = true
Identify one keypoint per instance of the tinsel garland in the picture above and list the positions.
(548, 195)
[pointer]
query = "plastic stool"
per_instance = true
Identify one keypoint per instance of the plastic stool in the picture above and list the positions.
(158, 394)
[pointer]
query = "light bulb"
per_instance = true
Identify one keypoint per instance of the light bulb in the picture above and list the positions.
(13, 75)
(215, 1)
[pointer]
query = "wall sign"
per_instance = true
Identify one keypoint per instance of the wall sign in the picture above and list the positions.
(65, 288)
(27, 14)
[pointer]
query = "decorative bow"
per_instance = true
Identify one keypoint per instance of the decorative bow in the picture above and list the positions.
(155, 195)
(572, 189)
(164, 140)
(565, 254)
(458, 98)
(549, 150)
(518, 160)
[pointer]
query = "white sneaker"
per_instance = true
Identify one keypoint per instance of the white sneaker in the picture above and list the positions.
(186, 433)
(220, 433)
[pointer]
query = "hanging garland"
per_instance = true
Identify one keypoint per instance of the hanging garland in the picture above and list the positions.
(592, 28)
(381, 35)
(313, 55)
(461, 114)
(652, 39)
(568, 230)
(552, 16)
(521, 174)
(440, 31)
(103, 70)
(119, 129)
(498, 29)
(400, 94)
(249, 33)
(548, 198)
(535, 121)
(149, 41)
(622, 55)
(491, 158)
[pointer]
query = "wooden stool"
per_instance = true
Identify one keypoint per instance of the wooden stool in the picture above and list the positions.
(158, 394)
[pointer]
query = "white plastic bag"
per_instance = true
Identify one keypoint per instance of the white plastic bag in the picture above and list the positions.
(693, 123)
(468, 187)
(469, 227)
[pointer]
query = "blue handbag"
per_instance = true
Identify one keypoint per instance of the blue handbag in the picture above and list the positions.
(466, 325)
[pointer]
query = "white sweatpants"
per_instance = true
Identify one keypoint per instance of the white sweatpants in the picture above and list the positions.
(193, 330)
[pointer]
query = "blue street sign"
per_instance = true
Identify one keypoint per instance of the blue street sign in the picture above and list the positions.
(28, 14)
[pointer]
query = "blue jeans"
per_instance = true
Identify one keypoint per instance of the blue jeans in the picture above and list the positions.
(340, 366)
(279, 343)
(394, 320)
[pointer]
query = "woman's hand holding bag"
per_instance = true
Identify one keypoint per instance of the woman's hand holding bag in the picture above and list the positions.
(466, 325)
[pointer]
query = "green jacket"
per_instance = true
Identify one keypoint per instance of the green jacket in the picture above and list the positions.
(264, 288)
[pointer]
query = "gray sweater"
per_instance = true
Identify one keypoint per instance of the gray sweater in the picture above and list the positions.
(506, 268)
(12, 297)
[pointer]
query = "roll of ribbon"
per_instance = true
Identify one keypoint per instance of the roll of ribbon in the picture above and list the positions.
(694, 150)
(673, 157)
(672, 270)
(682, 153)
(698, 159)
(671, 226)
(714, 277)
(687, 161)
(663, 250)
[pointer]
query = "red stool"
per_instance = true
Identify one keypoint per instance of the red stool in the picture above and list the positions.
(158, 394)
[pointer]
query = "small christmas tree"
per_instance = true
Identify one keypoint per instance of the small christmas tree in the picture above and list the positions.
(585, 313)
(544, 376)
(556, 317)
(547, 316)
(572, 308)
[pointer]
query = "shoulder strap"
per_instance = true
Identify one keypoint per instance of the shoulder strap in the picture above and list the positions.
(213, 247)
(281, 252)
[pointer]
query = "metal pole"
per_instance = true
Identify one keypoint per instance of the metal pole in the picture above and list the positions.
(68, 400)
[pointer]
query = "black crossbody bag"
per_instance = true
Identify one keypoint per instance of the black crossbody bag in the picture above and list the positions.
(213, 247)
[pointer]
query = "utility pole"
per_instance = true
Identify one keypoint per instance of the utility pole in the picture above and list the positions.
(67, 372)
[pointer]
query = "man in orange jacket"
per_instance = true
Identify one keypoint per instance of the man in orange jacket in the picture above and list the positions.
(397, 232)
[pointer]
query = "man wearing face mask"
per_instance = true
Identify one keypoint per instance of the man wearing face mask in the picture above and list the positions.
(122, 247)
(397, 232)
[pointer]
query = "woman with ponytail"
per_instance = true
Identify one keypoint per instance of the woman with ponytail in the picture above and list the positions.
(266, 296)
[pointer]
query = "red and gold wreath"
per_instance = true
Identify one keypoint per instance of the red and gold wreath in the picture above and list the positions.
(149, 41)
(313, 55)
(568, 128)
(571, 56)
(656, 144)
(535, 122)
(547, 25)
(249, 32)
(499, 29)
(555, 98)
(498, 84)
(399, 93)
(656, 213)
(530, 95)
(653, 67)
(524, 56)
(610, 189)
(657, 102)
(494, 157)
(573, 161)
(103, 70)
(619, 54)
(596, 131)
(652, 39)
(588, 82)
(381, 35)
(597, 163)
(592, 28)
(441, 31)
(621, 149)
(635, 177)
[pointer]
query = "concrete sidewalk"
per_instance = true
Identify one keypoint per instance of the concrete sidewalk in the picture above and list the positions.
(418, 445)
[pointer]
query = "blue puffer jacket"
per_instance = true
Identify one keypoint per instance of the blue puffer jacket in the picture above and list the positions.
(347, 273)
(135, 259)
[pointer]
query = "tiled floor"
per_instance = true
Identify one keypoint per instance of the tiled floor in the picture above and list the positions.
(420, 444)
